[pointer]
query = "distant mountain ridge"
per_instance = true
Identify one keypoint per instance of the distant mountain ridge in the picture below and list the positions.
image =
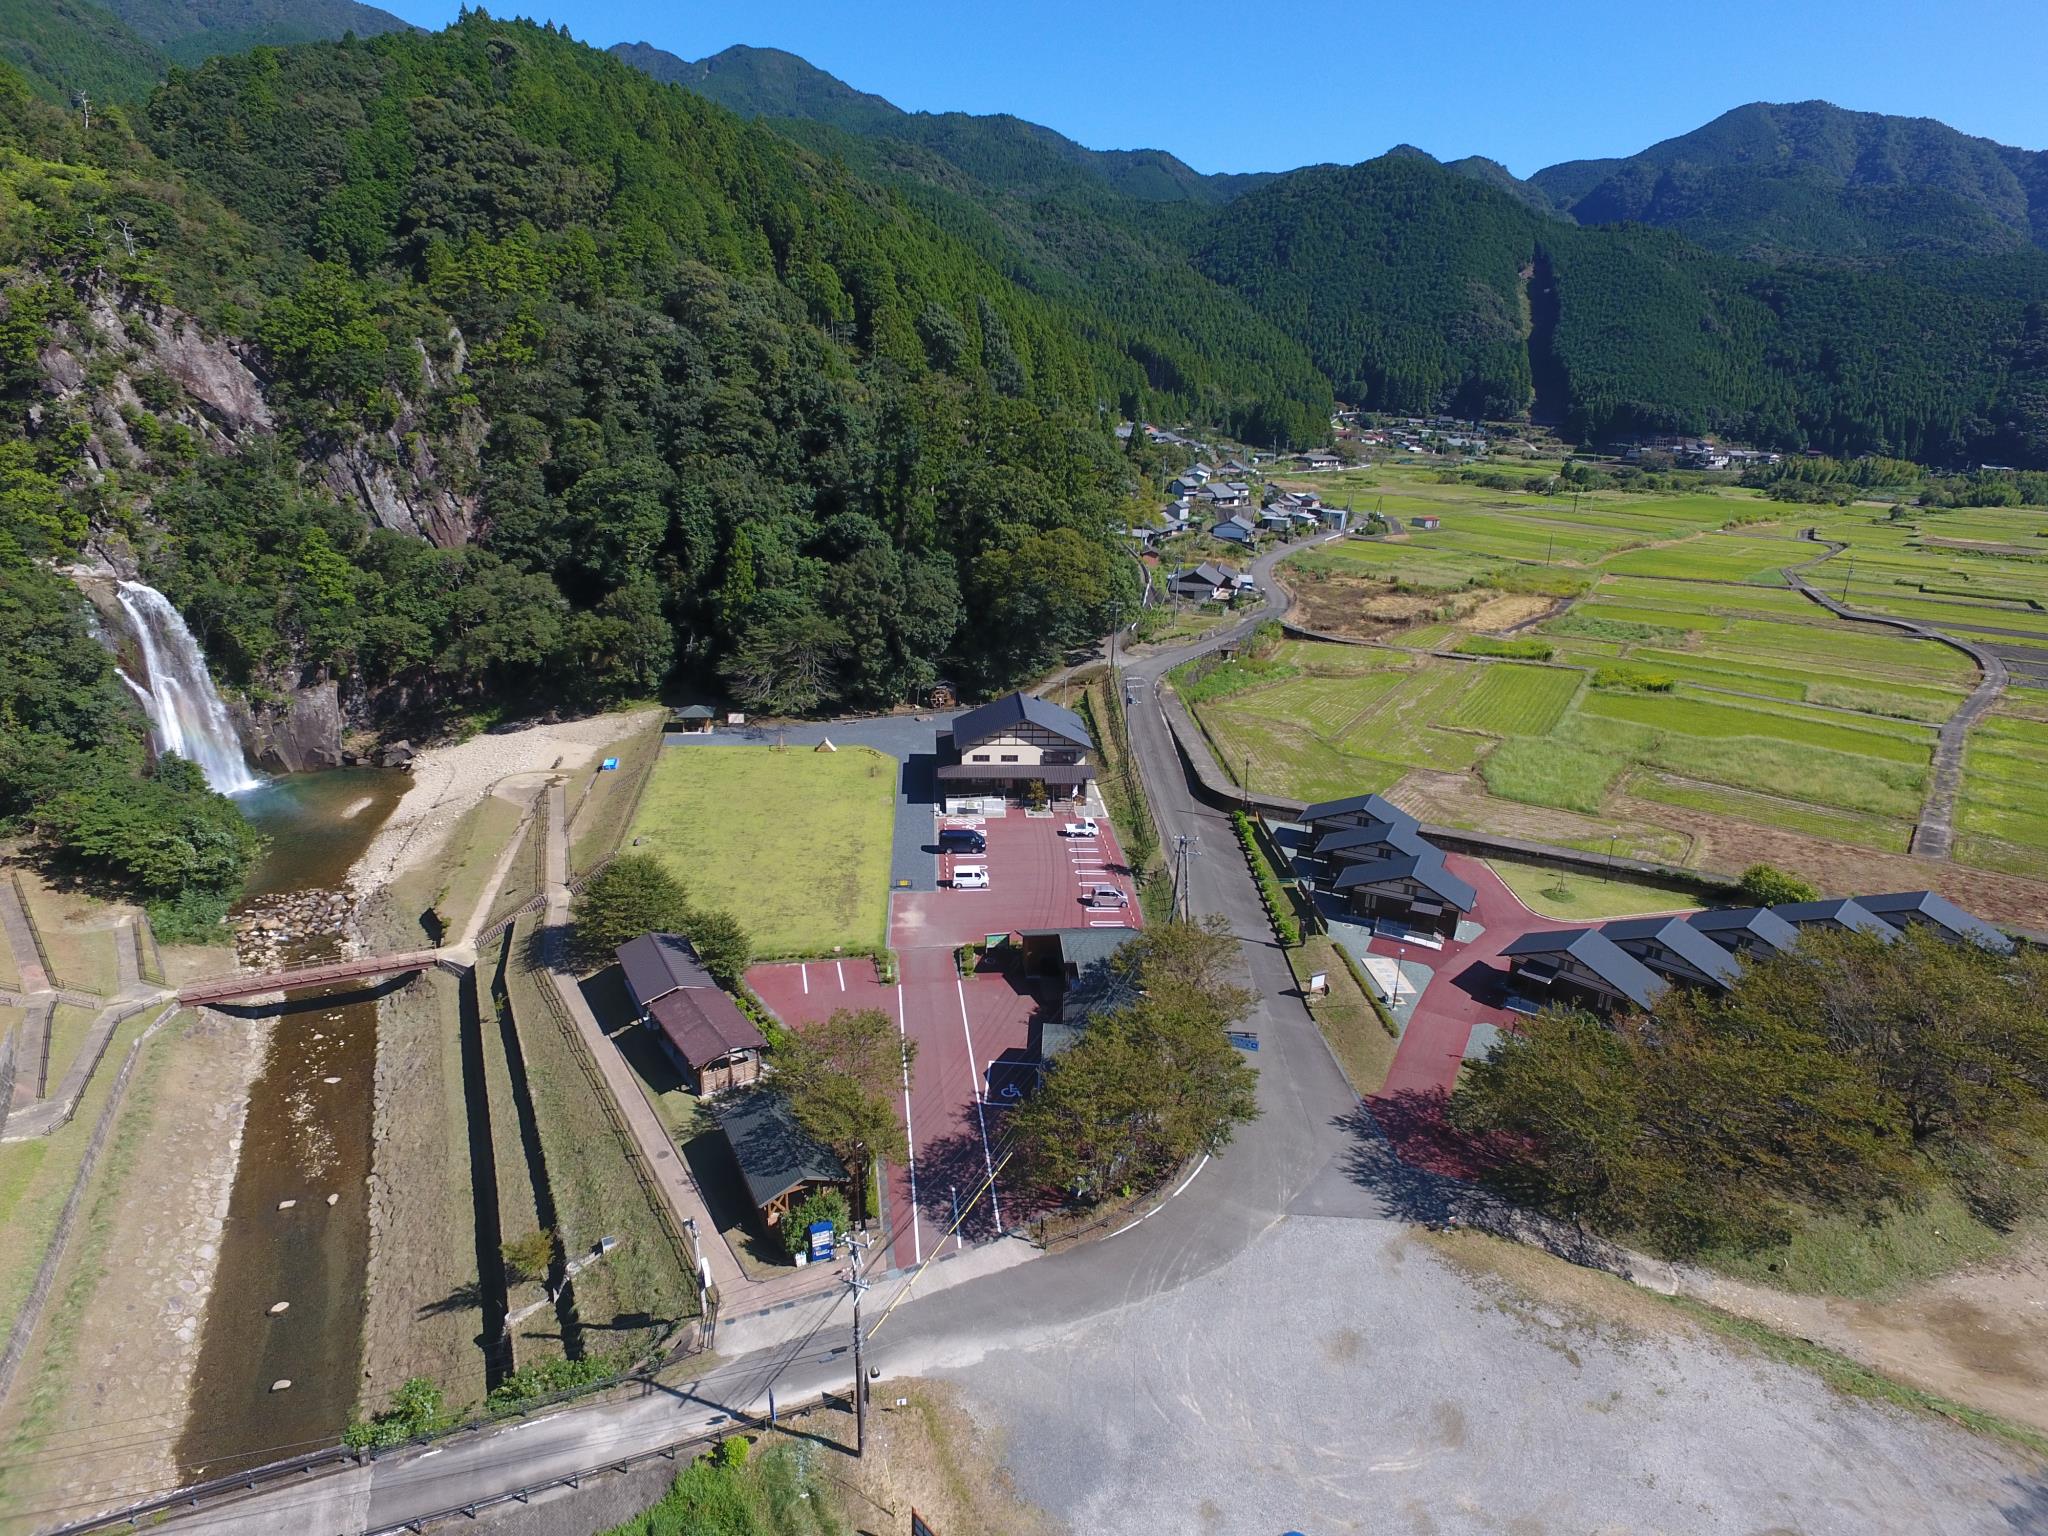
(121, 49)
(1810, 178)
(768, 82)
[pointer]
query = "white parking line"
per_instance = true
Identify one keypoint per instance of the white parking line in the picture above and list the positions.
(980, 1114)
(909, 1137)
(841, 969)
(805, 972)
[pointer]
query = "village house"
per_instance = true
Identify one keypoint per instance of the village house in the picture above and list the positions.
(780, 1163)
(713, 1044)
(1013, 742)
(1676, 951)
(1903, 909)
(1200, 584)
(1750, 932)
(1840, 915)
(1318, 460)
(1583, 967)
(1238, 528)
(1224, 494)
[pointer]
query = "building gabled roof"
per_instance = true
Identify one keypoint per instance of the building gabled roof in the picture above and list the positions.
(1902, 907)
(1683, 940)
(1210, 575)
(703, 1024)
(1597, 953)
(696, 712)
(1379, 809)
(775, 1153)
(1840, 912)
(1015, 709)
(1728, 925)
(656, 964)
(1402, 837)
(1427, 869)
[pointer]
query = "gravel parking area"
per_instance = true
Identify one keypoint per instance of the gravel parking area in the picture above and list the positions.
(1341, 1376)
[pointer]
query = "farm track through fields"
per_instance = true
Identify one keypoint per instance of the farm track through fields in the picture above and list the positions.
(1934, 836)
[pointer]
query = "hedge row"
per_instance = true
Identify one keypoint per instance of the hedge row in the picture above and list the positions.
(1279, 910)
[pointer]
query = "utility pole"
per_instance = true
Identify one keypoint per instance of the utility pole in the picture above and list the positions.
(857, 1285)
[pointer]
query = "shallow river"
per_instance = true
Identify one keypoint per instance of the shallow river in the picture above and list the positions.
(307, 1138)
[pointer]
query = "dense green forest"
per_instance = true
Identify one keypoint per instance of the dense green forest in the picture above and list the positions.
(702, 399)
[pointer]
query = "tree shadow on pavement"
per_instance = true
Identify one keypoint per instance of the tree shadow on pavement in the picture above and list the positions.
(1404, 1151)
(952, 1179)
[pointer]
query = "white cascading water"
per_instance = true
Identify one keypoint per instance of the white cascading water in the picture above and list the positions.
(186, 715)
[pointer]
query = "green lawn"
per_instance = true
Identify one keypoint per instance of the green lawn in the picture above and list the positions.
(1587, 898)
(794, 842)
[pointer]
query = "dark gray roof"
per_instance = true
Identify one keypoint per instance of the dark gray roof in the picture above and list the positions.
(1371, 835)
(1841, 913)
(1379, 809)
(1598, 954)
(696, 712)
(1015, 709)
(1426, 869)
(656, 964)
(1205, 573)
(1682, 939)
(775, 1153)
(1729, 924)
(1902, 907)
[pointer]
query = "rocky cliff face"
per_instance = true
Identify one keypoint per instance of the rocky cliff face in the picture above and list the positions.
(135, 368)
(299, 736)
(127, 359)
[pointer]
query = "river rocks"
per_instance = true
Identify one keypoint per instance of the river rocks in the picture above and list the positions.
(330, 1081)
(275, 931)
(282, 1384)
(334, 1199)
(279, 1308)
(396, 754)
(285, 1205)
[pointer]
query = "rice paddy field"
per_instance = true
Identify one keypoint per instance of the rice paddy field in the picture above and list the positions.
(1685, 678)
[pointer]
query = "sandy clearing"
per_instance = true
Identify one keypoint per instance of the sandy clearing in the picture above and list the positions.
(448, 780)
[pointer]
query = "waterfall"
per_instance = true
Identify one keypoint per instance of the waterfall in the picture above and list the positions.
(185, 713)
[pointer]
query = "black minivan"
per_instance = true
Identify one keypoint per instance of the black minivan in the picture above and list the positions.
(961, 840)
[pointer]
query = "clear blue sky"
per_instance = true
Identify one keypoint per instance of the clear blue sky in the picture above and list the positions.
(1269, 86)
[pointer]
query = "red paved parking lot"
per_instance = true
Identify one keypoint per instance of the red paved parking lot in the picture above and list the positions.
(961, 1025)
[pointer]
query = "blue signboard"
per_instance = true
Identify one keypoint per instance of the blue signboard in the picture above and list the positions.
(608, 765)
(821, 1241)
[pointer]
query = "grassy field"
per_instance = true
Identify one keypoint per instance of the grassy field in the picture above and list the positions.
(590, 1171)
(1345, 1015)
(1571, 895)
(1776, 714)
(795, 843)
(451, 884)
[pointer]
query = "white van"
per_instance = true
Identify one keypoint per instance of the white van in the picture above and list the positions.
(1107, 896)
(970, 877)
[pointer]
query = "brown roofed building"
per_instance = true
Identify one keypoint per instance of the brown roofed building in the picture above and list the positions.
(715, 1046)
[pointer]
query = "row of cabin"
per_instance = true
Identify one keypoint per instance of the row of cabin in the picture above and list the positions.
(1631, 962)
(1373, 855)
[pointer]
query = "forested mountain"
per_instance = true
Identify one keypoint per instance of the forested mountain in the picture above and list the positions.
(119, 49)
(1808, 179)
(1061, 221)
(1003, 153)
(1419, 288)
(64, 47)
(478, 371)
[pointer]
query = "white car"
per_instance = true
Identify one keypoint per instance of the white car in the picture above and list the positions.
(970, 877)
(1107, 896)
(1085, 827)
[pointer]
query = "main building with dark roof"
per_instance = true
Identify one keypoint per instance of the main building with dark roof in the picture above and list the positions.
(1014, 741)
